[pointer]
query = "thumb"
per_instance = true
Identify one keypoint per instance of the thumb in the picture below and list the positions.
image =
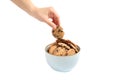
(50, 23)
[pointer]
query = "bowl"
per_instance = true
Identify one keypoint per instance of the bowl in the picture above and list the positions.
(61, 63)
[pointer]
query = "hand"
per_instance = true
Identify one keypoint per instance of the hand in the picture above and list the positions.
(47, 15)
(42, 14)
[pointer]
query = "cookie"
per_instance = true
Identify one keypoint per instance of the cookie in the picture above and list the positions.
(52, 48)
(63, 45)
(71, 52)
(58, 32)
(74, 47)
(68, 44)
(59, 51)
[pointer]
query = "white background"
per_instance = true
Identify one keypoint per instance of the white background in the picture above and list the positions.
(92, 24)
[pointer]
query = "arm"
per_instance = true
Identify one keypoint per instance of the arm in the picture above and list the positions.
(42, 14)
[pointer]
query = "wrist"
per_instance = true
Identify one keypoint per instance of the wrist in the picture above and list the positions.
(31, 9)
(26, 5)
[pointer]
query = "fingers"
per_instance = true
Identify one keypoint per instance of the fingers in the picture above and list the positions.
(50, 23)
(45, 14)
(54, 22)
(56, 19)
(54, 16)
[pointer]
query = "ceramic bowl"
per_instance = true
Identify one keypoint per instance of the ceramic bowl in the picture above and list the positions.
(62, 63)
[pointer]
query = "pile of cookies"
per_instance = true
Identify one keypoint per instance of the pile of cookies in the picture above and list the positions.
(62, 47)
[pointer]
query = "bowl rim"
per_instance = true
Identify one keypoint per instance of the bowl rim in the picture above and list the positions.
(46, 49)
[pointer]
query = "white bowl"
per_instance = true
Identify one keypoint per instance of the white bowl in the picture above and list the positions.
(61, 63)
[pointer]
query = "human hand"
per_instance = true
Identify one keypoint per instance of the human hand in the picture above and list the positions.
(47, 15)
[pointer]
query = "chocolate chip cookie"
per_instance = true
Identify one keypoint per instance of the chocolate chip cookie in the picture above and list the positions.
(58, 32)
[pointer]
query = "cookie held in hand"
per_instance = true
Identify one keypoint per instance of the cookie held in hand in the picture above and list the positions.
(58, 32)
